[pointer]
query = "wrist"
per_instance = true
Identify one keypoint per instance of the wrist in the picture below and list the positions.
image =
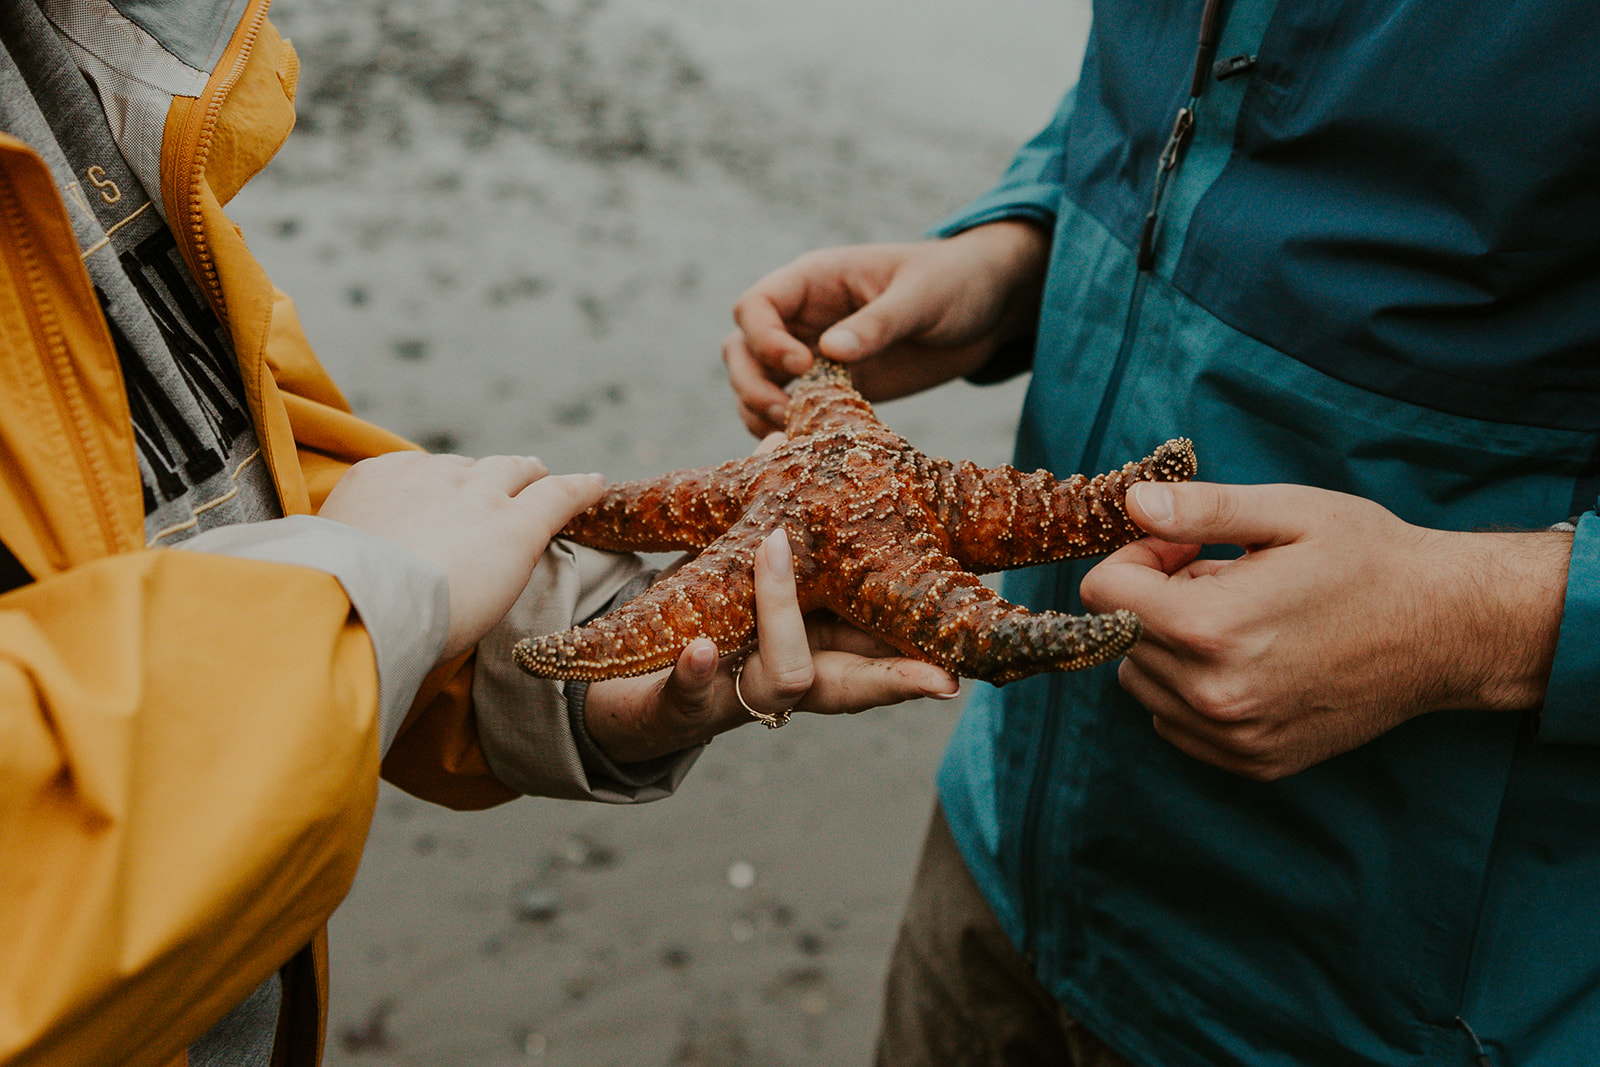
(1510, 589)
(1015, 255)
(1015, 252)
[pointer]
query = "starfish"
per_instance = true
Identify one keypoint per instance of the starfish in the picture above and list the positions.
(883, 536)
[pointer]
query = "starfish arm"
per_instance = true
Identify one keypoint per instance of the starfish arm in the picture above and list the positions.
(999, 517)
(685, 509)
(823, 399)
(936, 611)
(710, 596)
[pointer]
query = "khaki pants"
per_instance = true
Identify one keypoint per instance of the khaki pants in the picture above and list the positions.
(959, 994)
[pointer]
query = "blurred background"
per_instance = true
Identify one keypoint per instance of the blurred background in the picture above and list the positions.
(518, 226)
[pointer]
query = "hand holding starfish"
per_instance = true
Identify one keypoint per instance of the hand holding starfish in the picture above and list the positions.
(903, 317)
(1338, 623)
(817, 665)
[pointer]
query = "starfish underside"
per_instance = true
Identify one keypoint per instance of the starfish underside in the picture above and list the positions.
(883, 536)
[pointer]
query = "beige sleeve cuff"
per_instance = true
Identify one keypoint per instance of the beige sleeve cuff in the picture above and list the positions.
(524, 726)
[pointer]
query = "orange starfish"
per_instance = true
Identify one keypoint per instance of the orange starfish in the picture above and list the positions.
(883, 536)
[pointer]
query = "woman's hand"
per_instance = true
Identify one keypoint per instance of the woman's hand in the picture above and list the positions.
(821, 665)
(484, 522)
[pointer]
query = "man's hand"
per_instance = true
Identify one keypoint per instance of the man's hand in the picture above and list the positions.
(1338, 623)
(484, 522)
(905, 316)
(824, 667)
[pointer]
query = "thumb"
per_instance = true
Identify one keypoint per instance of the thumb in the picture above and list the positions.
(894, 315)
(553, 500)
(1201, 513)
(686, 696)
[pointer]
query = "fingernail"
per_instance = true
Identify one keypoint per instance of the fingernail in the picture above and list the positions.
(1155, 500)
(840, 341)
(797, 362)
(597, 476)
(778, 414)
(703, 657)
(779, 557)
(938, 695)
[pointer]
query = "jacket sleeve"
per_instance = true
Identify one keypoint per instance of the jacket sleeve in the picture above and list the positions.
(402, 599)
(186, 792)
(468, 742)
(1031, 189)
(532, 732)
(1571, 712)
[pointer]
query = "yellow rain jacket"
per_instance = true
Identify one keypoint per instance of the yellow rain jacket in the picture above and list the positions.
(182, 804)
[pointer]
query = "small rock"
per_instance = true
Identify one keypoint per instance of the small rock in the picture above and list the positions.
(371, 1035)
(741, 874)
(411, 349)
(531, 1043)
(537, 904)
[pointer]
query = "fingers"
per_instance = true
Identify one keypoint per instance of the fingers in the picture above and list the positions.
(550, 502)
(780, 672)
(901, 310)
(690, 690)
(1251, 516)
(1237, 742)
(647, 716)
(511, 473)
(763, 405)
(848, 683)
(763, 314)
(1135, 575)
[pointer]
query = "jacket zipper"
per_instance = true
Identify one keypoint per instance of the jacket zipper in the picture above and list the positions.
(195, 148)
(1049, 725)
(1033, 904)
(61, 378)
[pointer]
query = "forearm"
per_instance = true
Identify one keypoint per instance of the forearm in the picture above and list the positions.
(1013, 254)
(1503, 596)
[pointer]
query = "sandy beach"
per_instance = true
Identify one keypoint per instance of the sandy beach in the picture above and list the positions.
(518, 226)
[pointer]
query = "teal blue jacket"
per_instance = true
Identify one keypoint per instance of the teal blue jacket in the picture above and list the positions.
(1374, 268)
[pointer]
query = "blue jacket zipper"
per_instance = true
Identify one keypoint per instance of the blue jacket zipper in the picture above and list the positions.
(1033, 904)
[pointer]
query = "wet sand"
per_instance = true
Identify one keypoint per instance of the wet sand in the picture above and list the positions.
(518, 227)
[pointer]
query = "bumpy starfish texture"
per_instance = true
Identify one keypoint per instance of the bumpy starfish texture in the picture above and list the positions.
(882, 535)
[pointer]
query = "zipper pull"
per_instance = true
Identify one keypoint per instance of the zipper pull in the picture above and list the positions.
(1182, 129)
(1206, 49)
(1234, 65)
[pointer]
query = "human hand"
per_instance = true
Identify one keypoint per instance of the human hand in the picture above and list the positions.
(1339, 622)
(484, 522)
(821, 665)
(905, 316)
